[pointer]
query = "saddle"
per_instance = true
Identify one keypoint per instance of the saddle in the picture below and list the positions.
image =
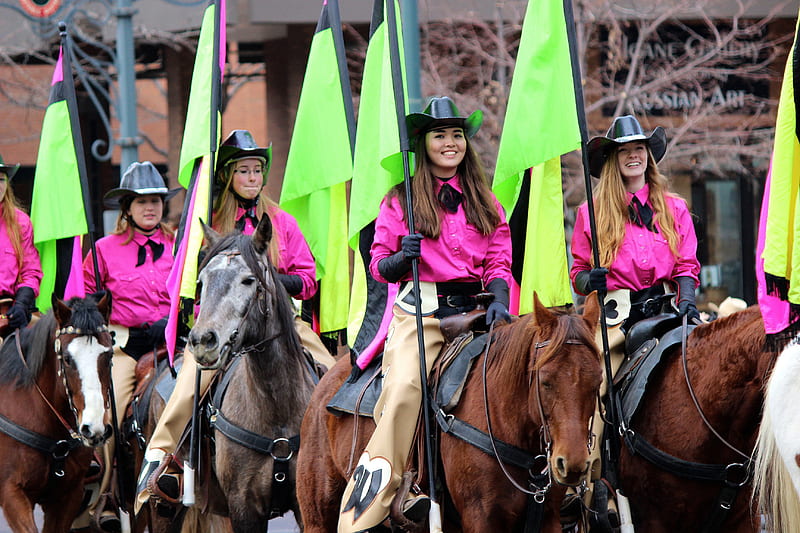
(645, 346)
(464, 341)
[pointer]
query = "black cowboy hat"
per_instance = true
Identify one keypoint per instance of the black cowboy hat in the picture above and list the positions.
(623, 130)
(139, 179)
(441, 111)
(10, 170)
(240, 145)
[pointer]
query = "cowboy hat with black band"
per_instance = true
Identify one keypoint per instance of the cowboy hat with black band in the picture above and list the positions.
(8, 170)
(441, 112)
(623, 130)
(241, 145)
(139, 179)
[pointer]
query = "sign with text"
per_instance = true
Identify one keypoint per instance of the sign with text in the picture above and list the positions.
(685, 68)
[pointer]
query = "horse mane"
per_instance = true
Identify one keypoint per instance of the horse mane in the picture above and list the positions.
(512, 344)
(36, 343)
(244, 243)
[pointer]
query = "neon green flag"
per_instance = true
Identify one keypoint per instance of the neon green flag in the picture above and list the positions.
(314, 181)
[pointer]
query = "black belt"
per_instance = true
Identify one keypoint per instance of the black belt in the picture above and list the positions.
(458, 294)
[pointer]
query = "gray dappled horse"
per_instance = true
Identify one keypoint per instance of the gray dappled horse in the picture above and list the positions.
(245, 313)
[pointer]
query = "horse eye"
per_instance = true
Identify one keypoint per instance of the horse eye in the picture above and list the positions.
(68, 360)
(249, 280)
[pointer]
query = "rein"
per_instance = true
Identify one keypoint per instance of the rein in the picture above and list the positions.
(59, 449)
(540, 492)
(684, 335)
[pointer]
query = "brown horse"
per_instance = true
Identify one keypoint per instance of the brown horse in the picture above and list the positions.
(727, 366)
(53, 398)
(544, 364)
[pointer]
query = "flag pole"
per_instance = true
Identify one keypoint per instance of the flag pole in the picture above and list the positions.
(77, 142)
(613, 407)
(194, 448)
(344, 75)
(434, 518)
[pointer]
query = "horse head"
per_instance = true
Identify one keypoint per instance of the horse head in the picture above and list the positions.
(84, 348)
(238, 296)
(565, 375)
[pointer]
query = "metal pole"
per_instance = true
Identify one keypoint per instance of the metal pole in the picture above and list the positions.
(409, 14)
(434, 516)
(129, 139)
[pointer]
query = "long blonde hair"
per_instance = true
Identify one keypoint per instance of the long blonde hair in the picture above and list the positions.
(124, 227)
(10, 206)
(611, 207)
(479, 206)
(226, 206)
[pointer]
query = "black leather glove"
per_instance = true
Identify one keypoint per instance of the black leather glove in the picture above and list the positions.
(498, 309)
(410, 245)
(292, 283)
(20, 313)
(587, 281)
(156, 332)
(139, 342)
(686, 301)
(397, 265)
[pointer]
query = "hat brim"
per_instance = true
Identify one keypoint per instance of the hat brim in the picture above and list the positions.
(10, 170)
(599, 147)
(421, 123)
(237, 154)
(113, 197)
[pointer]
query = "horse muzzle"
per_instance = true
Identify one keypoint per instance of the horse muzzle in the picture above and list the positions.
(569, 473)
(206, 349)
(93, 437)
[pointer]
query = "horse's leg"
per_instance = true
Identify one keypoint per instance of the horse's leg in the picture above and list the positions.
(18, 510)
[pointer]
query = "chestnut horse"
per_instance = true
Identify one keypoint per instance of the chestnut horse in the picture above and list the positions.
(777, 472)
(544, 364)
(54, 394)
(726, 366)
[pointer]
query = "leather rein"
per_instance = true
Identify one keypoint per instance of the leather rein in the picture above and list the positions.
(59, 449)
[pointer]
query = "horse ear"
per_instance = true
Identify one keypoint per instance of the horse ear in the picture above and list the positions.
(591, 311)
(61, 311)
(263, 234)
(210, 235)
(541, 314)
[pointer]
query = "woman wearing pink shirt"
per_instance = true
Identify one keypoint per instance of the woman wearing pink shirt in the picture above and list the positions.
(242, 201)
(646, 239)
(463, 245)
(133, 264)
(20, 269)
(645, 232)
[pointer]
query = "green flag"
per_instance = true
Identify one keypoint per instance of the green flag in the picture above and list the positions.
(198, 119)
(541, 124)
(314, 189)
(58, 212)
(377, 164)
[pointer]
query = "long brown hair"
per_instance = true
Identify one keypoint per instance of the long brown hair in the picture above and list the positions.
(226, 205)
(479, 206)
(611, 207)
(10, 206)
(124, 226)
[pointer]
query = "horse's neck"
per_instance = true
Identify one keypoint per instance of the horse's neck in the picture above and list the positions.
(276, 372)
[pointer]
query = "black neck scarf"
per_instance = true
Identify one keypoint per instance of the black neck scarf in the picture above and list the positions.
(250, 212)
(156, 247)
(448, 196)
(641, 214)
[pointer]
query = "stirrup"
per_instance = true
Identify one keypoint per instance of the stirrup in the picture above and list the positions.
(409, 511)
(166, 486)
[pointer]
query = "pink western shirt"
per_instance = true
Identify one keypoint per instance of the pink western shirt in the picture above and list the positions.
(295, 255)
(12, 276)
(461, 253)
(139, 294)
(644, 258)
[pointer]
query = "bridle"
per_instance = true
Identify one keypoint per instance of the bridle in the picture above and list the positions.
(539, 491)
(261, 301)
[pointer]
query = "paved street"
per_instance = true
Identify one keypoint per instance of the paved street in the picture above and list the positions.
(284, 524)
